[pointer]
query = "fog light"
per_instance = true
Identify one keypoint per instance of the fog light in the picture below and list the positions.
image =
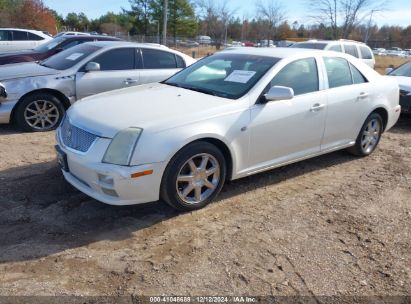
(106, 179)
(110, 192)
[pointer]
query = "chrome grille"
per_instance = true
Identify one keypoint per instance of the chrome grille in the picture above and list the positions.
(76, 138)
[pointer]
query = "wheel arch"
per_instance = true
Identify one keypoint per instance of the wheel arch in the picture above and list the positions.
(384, 115)
(63, 98)
(220, 144)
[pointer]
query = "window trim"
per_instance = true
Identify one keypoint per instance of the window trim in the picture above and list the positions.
(115, 49)
(161, 51)
(268, 86)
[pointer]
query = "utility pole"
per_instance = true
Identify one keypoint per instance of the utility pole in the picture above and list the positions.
(367, 35)
(165, 10)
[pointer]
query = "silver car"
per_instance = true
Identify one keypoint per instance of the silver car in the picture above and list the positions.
(37, 94)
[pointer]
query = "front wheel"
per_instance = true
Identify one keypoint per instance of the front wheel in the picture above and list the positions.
(194, 176)
(39, 112)
(369, 136)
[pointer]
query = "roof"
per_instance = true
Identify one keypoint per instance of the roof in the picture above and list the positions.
(278, 52)
(329, 41)
(90, 37)
(125, 44)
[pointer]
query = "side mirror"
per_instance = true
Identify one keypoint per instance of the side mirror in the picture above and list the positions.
(388, 70)
(279, 93)
(3, 93)
(92, 67)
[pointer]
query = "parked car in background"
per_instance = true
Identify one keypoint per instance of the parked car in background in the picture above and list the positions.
(230, 115)
(403, 75)
(49, 48)
(204, 40)
(357, 49)
(13, 39)
(379, 51)
(40, 92)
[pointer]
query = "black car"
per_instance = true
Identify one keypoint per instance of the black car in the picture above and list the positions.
(403, 76)
(50, 48)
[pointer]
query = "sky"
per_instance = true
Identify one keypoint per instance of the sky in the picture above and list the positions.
(398, 13)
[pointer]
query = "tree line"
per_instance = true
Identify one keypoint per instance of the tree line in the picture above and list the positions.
(219, 19)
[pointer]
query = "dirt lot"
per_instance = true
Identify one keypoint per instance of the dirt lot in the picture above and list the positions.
(333, 225)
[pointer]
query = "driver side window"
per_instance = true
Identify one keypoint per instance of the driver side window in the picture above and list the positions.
(300, 75)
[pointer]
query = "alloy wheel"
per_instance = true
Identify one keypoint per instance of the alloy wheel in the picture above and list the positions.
(198, 178)
(370, 136)
(41, 115)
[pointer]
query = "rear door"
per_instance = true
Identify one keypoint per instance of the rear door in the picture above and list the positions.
(348, 96)
(21, 41)
(118, 69)
(159, 65)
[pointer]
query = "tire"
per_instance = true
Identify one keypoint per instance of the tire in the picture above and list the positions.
(39, 112)
(367, 142)
(191, 169)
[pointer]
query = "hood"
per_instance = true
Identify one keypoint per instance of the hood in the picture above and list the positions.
(153, 107)
(404, 82)
(20, 70)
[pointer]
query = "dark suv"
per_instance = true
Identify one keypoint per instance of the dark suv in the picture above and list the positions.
(50, 48)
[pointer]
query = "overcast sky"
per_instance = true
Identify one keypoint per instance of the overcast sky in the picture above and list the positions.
(399, 12)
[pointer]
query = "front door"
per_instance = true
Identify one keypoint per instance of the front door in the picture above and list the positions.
(286, 130)
(117, 70)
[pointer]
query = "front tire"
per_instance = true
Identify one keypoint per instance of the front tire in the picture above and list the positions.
(39, 112)
(369, 136)
(194, 177)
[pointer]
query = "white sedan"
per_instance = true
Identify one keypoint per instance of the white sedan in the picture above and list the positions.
(228, 116)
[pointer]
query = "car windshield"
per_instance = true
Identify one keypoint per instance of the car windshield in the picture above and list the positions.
(403, 70)
(69, 57)
(49, 45)
(317, 46)
(224, 75)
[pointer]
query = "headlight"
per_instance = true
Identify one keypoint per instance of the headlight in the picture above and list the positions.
(3, 93)
(122, 146)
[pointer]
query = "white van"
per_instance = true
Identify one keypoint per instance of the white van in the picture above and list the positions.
(12, 39)
(354, 48)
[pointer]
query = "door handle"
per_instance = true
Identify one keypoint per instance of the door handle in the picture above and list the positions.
(362, 95)
(130, 81)
(317, 107)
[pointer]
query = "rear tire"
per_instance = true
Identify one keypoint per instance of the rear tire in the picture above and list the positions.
(194, 177)
(39, 112)
(369, 136)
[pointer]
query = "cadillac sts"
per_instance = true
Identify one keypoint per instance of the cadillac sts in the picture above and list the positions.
(230, 115)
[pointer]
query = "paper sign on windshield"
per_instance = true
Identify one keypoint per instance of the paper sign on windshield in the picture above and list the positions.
(74, 56)
(240, 76)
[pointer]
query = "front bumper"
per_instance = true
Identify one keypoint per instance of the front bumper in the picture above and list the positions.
(405, 102)
(6, 108)
(111, 184)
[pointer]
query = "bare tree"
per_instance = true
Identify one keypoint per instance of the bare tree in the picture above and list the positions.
(350, 12)
(217, 16)
(272, 13)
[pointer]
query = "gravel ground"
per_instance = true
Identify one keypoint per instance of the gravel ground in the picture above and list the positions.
(333, 225)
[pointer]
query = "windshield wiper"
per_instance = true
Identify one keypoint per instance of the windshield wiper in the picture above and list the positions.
(192, 88)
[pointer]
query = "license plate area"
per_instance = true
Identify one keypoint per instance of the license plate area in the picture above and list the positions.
(62, 159)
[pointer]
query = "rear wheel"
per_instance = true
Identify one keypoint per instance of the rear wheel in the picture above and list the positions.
(39, 112)
(194, 177)
(369, 136)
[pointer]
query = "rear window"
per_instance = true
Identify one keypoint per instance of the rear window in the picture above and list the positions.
(155, 59)
(68, 58)
(351, 49)
(34, 37)
(307, 45)
(335, 48)
(365, 52)
(5, 35)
